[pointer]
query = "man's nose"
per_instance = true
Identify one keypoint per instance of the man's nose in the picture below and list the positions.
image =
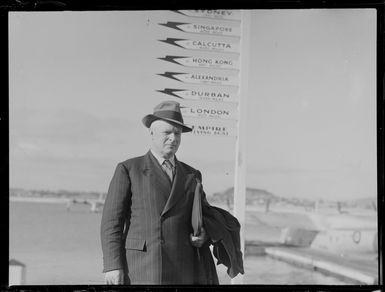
(171, 137)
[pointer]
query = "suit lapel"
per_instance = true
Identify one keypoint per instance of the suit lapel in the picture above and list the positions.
(181, 182)
(158, 179)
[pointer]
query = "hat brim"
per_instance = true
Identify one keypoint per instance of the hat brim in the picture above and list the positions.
(149, 119)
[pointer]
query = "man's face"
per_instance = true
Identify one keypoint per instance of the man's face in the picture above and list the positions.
(165, 138)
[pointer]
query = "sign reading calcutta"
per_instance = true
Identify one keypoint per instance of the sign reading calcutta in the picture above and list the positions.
(213, 29)
(217, 63)
(204, 45)
(218, 14)
(206, 95)
(201, 78)
(205, 111)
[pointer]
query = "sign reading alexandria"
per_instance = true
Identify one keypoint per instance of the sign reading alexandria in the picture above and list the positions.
(203, 78)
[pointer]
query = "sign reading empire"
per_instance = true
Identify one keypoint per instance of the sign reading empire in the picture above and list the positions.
(208, 130)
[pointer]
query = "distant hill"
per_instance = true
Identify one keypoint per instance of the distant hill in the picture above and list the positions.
(253, 196)
(19, 192)
(262, 197)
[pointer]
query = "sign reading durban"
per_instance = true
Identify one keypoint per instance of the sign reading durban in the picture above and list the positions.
(217, 14)
(222, 94)
(205, 62)
(202, 28)
(203, 78)
(204, 45)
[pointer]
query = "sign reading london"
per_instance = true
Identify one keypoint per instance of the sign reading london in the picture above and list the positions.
(203, 78)
(218, 14)
(206, 95)
(204, 45)
(217, 63)
(214, 29)
(206, 111)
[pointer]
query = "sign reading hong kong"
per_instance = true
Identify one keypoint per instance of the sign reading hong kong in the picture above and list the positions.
(204, 45)
(214, 29)
(217, 63)
(223, 94)
(217, 14)
(203, 78)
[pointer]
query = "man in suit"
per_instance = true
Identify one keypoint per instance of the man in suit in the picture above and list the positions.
(146, 231)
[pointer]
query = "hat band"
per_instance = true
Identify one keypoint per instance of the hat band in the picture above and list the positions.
(173, 115)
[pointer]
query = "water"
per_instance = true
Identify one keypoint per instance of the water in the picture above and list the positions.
(63, 248)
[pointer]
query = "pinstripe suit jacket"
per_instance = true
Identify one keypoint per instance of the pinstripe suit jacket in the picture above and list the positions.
(146, 223)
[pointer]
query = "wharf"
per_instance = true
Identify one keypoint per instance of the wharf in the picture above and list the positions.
(361, 269)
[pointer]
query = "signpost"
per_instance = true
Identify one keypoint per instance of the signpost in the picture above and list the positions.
(222, 64)
(240, 149)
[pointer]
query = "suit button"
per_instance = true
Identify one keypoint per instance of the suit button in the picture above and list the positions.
(162, 241)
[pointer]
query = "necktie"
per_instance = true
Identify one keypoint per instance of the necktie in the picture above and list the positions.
(167, 166)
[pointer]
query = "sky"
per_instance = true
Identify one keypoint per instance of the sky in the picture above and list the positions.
(80, 83)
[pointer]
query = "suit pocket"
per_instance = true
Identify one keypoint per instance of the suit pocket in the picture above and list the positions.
(136, 244)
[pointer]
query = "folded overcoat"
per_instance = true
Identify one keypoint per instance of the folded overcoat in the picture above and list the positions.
(146, 223)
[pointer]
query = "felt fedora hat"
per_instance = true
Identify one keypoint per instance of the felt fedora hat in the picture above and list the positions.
(168, 111)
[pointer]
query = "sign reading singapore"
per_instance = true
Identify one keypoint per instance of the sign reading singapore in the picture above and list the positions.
(225, 30)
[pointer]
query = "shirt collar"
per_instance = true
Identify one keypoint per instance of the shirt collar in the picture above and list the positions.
(160, 159)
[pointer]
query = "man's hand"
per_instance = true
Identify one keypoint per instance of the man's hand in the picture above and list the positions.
(114, 277)
(199, 240)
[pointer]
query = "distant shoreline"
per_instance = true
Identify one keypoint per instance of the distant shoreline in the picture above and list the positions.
(39, 200)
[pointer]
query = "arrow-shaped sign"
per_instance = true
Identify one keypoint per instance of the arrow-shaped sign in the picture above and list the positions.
(215, 111)
(204, 45)
(213, 29)
(221, 95)
(208, 129)
(203, 78)
(216, 14)
(217, 63)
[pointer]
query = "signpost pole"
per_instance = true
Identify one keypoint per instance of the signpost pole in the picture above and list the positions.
(240, 154)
